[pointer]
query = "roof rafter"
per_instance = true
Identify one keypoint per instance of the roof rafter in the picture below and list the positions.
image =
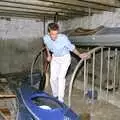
(113, 3)
(46, 9)
(36, 13)
(82, 4)
(64, 8)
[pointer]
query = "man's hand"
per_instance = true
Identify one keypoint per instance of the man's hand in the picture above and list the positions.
(84, 56)
(49, 58)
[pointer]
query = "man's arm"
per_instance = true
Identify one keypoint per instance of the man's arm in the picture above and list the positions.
(49, 57)
(81, 55)
(72, 48)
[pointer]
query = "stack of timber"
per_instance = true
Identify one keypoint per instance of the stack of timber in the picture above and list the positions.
(7, 101)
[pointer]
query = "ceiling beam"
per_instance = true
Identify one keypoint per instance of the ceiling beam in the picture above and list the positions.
(65, 8)
(28, 15)
(113, 3)
(5, 5)
(81, 3)
(57, 5)
(28, 11)
(38, 13)
(36, 8)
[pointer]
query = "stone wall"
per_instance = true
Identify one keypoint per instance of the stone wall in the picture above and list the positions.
(17, 55)
(20, 28)
(109, 19)
(19, 43)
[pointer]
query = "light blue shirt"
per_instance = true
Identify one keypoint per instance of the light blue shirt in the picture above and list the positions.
(61, 46)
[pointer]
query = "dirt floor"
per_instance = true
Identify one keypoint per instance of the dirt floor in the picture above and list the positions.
(98, 110)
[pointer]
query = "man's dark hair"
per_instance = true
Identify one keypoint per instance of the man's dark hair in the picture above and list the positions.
(53, 26)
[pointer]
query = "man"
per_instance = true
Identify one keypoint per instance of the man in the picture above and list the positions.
(60, 46)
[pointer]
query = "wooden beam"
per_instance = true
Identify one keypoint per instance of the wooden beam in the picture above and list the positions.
(29, 16)
(34, 15)
(38, 13)
(50, 4)
(5, 7)
(7, 96)
(37, 8)
(43, 10)
(65, 8)
(25, 10)
(82, 4)
(111, 3)
(5, 113)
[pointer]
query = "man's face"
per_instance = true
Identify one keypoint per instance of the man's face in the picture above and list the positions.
(53, 34)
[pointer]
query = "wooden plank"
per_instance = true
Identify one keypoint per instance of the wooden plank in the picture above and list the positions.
(45, 6)
(66, 2)
(7, 96)
(5, 113)
(40, 7)
(82, 4)
(114, 3)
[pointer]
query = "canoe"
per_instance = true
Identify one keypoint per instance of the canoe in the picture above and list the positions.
(39, 105)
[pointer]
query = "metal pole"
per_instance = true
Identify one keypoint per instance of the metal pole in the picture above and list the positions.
(108, 70)
(89, 13)
(44, 25)
(101, 71)
(42, 59)
(56, 18)
(93, 76)
(115, 66)
(85, 80)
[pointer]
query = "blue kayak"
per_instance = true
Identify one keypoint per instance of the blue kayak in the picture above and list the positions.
(39, 105)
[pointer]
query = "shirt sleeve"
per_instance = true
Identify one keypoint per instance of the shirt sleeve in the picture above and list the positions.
(69, 45)
(44, 39)
(46, 42)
